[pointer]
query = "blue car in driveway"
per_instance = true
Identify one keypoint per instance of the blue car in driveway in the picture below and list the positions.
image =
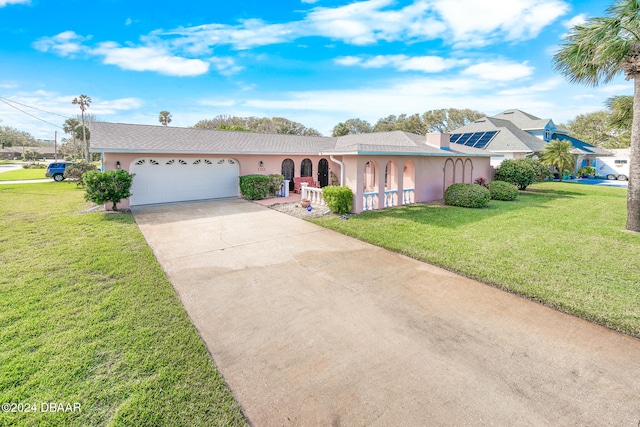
(56, 170)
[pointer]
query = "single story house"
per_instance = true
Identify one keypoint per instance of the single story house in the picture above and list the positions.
(16, 152)
(382, 169)
(514, 134)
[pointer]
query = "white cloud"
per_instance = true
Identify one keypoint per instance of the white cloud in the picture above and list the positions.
(4, 3)
(499, 71)
(479, 23)
(150, 58)
(426, 64)
(225, 66)
(217, 102)
(617, 89)
(66, 43)
(576, 20)
(543, 86)
(114, 106)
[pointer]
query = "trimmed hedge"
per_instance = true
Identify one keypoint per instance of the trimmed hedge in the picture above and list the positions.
(338, 199)
(254, 187)
(467, 195)
(519, 172)
(275, 184)
(501, 190)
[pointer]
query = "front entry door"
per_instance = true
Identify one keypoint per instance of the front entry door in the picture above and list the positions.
(288, 171)
(323, 172)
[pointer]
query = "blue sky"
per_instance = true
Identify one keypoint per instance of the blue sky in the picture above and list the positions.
(317, 62)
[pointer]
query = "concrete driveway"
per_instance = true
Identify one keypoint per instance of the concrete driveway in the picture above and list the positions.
(310, 328)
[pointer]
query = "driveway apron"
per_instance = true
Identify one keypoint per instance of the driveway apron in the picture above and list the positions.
(310, 327)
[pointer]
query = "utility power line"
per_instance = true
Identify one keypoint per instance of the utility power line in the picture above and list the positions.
(10, 104)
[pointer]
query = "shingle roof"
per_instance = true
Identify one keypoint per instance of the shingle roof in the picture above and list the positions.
(581, 147)
(508, 139)
(522, 120)
(118, 137)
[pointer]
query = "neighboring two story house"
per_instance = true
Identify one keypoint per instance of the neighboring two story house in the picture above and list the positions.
(514, 134)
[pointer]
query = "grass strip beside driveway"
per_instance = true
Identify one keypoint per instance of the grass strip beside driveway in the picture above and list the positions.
(561, 244)
(87, 316)
(23, 174)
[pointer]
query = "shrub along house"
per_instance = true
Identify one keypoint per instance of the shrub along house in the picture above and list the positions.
(382, 169)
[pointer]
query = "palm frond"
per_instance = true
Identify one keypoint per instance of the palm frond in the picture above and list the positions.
(595, 51)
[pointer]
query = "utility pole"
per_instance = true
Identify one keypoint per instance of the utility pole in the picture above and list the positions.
(55, 145)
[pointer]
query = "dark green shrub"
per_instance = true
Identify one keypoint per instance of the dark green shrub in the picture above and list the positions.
(587, 171)
(501, 190)
(338, 199)
(275, 184)
(541, 171)
(111, 186)
(254, 187)
(467, 195)
(519, 172)
(77, 170)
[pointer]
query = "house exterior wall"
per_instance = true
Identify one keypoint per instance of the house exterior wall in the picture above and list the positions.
(428, 176)
(249, 164)
(428, 183)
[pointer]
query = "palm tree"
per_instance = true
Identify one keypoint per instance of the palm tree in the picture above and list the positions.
(621, 112)
(557, 153)
(84, 101)
(164, 118)
(596, 52)
(72, 126)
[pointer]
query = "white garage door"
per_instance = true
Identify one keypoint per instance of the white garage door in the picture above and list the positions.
(161, 180)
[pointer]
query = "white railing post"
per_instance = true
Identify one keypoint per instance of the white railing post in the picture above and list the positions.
(314, 195)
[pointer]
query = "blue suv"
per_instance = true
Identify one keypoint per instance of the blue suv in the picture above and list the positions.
(56, 170)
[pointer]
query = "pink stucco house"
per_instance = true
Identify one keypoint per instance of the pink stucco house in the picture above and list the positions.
(383, 169)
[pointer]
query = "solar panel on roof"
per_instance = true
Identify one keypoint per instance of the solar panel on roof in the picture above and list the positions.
(474, 139)
(463, 139)
(485, 139)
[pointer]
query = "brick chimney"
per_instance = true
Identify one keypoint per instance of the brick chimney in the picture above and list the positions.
(439, 140)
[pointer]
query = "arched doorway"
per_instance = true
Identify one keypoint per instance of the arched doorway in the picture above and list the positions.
(323, 172)
(391, 184)
(288, 171)
(408, 183)
(468, 171)
(306, 168)
(458, 171)
(448, 172)
(370, 187)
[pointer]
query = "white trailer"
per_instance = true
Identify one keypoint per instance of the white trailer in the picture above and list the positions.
(612, 167)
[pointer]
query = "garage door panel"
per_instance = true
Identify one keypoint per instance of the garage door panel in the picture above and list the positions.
(174, 179)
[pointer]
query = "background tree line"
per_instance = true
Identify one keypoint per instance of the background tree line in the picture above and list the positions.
(279, 125)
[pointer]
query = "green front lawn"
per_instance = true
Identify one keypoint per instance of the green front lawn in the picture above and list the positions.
(87, 317)
(558, 243)
(21, 174)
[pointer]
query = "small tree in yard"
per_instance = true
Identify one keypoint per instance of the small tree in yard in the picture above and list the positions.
(519, 172)
(111, 186)
(557, 154)
(31, 155)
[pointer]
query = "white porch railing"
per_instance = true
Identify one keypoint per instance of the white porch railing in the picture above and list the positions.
(390, 198)
(370, 201)
(313, 194)
(408, 196)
